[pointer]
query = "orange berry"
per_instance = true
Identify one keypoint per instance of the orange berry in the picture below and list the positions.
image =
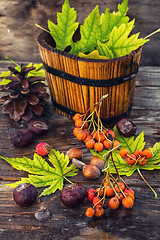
(114, 203)
(115, 144)
(75, 131)
(130, 195)
(97, 200)
(90, 212)
(112, 133)
(77, 116)
(107, 143)
(88, 137)
(127, 202)
(78, 123)
(128, 190)
(138, 153)
(142, 161)
(109, 191)
(131, 159)
(85, 125)
(120, 196)
(98, 146)
(89, 143)
(119, 186)
(81, 135)
(99, 211)
(100, 192)
(124, 152)
(147, 153)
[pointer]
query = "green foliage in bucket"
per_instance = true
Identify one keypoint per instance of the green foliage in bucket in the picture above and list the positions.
(101, 36)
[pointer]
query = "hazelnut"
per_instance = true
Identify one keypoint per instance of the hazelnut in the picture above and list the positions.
(91, 171)
(75, 153)
(97, 161)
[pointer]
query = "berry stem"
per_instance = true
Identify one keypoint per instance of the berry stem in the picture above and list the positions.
(115, 166)
(155, 194)
(151, 34)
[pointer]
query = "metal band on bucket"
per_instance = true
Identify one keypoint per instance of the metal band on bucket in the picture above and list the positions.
(93, 82)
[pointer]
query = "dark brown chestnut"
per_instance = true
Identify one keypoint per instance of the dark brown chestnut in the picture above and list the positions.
(38, 127)
(22, 138)
(73, 195)
(25, 194)
(126, 127)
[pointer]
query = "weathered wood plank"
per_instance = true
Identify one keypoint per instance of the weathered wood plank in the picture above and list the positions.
(71, 224)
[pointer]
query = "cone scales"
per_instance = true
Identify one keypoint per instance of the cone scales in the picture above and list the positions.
(80, 98)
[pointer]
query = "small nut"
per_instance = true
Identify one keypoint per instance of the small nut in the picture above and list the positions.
(97, 161)
(75, 153)
(79, 164)
(91, 171)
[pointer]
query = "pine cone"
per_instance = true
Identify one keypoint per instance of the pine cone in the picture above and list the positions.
(26, 95)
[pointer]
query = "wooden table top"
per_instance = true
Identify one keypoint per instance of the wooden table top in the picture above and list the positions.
(140, 222)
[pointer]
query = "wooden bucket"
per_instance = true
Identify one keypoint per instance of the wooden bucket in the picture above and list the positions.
(77, 83)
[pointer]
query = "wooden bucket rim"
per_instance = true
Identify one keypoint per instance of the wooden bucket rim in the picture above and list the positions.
(44, 44)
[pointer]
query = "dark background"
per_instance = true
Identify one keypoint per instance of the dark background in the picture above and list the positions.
(18, 34)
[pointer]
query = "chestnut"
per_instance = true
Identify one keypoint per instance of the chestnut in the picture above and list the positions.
(25, 194)
(38, 127)
(126, 127)
(73, 195)
(91, 171)
(97, 161)
(75, 153)
(22, 138)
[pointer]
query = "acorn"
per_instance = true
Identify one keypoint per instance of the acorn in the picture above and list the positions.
(75, 153)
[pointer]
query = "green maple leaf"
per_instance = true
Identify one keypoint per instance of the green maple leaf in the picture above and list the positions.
(62, 33)
(38, 71)
(41, 173)
(110, 20)
(90, 33)
(120, 43)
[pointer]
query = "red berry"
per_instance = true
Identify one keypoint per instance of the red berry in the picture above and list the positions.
(91, 194)
(97, 200)
(43, 148)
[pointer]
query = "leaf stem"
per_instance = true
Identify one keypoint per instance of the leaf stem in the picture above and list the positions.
(158, 30)
(68, 180)
(147, 182)
(41, 28)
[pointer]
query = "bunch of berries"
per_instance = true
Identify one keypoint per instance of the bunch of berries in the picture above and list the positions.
(139, 156)
(111, 193)
(99, 138)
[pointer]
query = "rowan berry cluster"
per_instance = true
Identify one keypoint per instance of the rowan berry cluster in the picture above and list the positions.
(139, 156)
(111, 193)
(98, 138)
